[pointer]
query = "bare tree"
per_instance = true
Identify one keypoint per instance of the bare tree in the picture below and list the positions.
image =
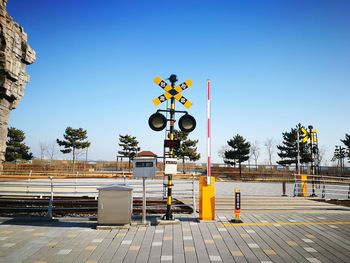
(221, 152)
(255, 152)
(321, 154)
(52, 150)
(81, 154)
(43, 150)
(270, 148)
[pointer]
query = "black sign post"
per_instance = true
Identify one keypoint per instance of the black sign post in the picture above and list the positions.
(237, 211)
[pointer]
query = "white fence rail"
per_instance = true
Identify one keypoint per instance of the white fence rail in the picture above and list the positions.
(89, 187)
(330, 187)
(182, 189)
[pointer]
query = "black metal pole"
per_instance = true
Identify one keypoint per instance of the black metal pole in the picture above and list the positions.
(284, 189)
(169, 215)
(312, 161)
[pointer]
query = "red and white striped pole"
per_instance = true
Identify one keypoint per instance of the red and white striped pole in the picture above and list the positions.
(208, 135)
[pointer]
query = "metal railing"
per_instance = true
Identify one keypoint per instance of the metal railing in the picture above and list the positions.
(183, 190)
(64, 174)
(330, 187)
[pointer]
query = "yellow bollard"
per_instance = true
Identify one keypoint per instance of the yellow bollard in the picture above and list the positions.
(206, 198)
(304, 185)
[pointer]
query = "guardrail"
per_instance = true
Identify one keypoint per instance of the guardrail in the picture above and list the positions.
(50, 187)
(25, 174)
(31, 173)
(323, 186)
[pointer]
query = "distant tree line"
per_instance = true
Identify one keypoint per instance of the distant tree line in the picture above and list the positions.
(237, 151)
(75, 140)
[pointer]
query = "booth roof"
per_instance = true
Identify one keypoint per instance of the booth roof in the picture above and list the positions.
(146, 154)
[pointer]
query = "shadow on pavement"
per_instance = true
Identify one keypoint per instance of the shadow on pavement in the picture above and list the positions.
(47, 222)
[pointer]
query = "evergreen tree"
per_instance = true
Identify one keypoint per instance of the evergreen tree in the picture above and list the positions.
(346, 142)
(16, 148)
(239, 152)
(340, 153)
(129, 146)
(187, 148)
(288, 150)
(74, 139)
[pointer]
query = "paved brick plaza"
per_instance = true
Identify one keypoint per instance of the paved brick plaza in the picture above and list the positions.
(274, 237)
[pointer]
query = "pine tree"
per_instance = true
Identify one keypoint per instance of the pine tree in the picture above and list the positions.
(288, 150)
(346, 142)
(239, 151)
(16, 148)
(187, 148)
(73, 139)
(129, 146)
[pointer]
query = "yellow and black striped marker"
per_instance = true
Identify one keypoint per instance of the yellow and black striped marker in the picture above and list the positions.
(307, 135)
(172, 92)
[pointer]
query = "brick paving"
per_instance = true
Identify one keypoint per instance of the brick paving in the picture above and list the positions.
(263, 237)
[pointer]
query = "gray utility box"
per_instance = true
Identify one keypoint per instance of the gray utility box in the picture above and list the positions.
(114, 205)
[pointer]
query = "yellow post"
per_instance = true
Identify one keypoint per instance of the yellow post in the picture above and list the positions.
(206, 199)
(304, 185)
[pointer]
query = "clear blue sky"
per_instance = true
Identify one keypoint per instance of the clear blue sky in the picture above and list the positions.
(272, 65)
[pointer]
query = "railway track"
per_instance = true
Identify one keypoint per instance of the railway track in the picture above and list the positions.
(63, 206)
(87, 206)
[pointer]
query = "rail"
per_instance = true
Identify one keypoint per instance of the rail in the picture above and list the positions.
(324, 186)
(58, 173)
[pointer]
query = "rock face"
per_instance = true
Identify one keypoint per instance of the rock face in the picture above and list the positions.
(15, 55)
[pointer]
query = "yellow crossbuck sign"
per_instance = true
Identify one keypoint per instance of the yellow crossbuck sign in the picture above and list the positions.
(171, 92)
(307, 135)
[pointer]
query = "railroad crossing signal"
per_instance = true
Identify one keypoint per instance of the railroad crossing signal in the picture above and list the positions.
(158, 122)
(171, 92)
(307, 135)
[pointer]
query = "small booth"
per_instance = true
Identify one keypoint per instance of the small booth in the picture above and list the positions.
(144, 167)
